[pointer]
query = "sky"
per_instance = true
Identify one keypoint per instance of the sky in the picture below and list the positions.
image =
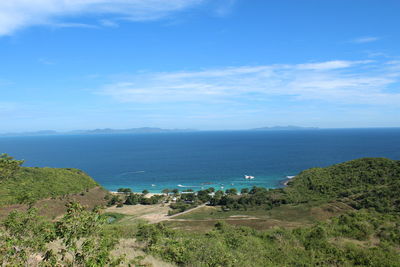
(202, 64)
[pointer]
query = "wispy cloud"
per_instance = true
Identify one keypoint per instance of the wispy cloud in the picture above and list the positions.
(345, 82)
(224, 7)
(109, 23)
(17, 14)
(366, 39)
(45, 61)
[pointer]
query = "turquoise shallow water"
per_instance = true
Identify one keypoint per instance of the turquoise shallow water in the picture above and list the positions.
(201, 159)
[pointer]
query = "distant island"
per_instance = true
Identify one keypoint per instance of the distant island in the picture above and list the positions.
(100, 131)
(143, 130)
(284, 128)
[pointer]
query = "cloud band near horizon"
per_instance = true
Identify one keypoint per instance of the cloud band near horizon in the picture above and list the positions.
(362, 82)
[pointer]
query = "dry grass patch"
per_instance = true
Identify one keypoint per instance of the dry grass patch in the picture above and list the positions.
(150, 213)
(54, 207)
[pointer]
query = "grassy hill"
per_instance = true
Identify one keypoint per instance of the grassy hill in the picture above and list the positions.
(47, 189)
(343, 215)
(365, 232)
(362, 183)
(31, 184)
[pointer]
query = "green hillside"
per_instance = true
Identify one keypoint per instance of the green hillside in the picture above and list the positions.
(27, 184)
(343, 215)
(362, 183)
(366, 235)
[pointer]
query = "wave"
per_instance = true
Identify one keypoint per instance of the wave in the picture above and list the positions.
(179, 185)
(134, 172)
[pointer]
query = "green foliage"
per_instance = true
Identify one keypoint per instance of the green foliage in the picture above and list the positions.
(8, 167)
(25, 237)
(363, 182)
(231, 191)
(203, 196)
(369, 183)
(124, 190)
(166, 191)
(30, 184)
(175, 191)
(367, 236)
(114, 200)
(134, 199)
(241, 246)
(84, 242)
(244, 191)
(180, 207)
(145, 192)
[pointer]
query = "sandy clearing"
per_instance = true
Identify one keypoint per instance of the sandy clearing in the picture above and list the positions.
(151, 213)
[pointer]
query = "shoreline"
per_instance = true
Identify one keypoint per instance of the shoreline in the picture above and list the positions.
(216, 186)
(288, 179)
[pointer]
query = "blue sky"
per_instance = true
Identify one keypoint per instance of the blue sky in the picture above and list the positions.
(204, 64)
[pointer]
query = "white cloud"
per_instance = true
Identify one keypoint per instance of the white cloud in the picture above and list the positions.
(17, 14)
(224, 7)
(108, 23)
(366, 39)
(45, 61)
(330, 65)
(347, 82)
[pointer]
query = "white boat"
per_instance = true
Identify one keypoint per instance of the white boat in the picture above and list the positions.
(248, 177)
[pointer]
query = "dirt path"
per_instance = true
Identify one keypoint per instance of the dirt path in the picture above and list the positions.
(186, 211)
(151, 213)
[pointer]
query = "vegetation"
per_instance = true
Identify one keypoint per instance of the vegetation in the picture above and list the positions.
(324, 244)
(359, 201)
(369, 235)
(8, 167)
(124, 190)
(134, 199)
(26, 185)
(26, 238)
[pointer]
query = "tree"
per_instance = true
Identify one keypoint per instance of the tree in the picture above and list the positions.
(124, 190)
(175, 191)
(133, 199)
(203, 196)
(8, 166)
(244, 191)
(231, 191)
(145, 192)
(25, 238)
(22, 235)
(211, 190)
(165, 191)
(83, 238)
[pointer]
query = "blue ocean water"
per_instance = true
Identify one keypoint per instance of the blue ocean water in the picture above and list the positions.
(201, 159)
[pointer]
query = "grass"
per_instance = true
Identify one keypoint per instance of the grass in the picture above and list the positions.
(32, 184)
(260, 218)
(113, 217)
(54, 207)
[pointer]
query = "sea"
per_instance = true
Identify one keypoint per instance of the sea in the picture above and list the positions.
(198, 160)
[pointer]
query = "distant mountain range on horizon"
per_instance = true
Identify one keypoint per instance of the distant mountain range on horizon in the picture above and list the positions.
(284, 128)
(99, 131)
(143, 130)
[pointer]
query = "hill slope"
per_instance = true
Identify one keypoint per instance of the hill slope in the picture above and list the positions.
(362, 183)
(366, 235)
(31, 184)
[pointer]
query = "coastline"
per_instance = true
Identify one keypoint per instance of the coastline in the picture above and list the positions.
(287, 180)
(148, 195)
